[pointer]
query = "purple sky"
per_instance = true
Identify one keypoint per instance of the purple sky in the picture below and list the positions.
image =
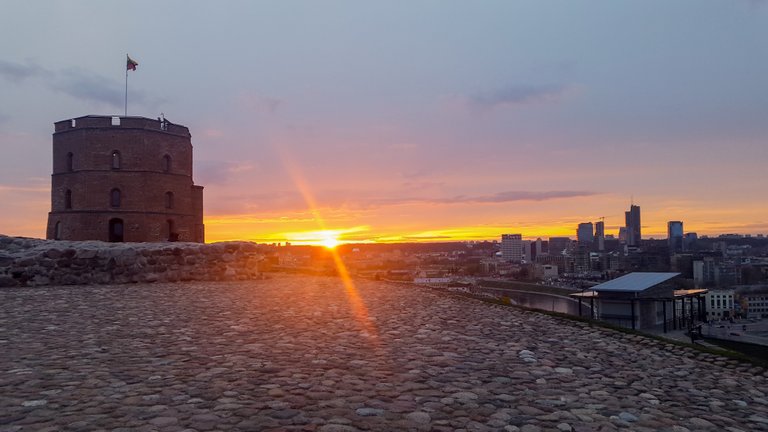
(410, 119)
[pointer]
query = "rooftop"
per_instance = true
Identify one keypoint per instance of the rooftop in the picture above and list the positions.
(635, 282)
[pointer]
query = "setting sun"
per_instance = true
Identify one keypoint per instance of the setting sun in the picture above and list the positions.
(329, 241)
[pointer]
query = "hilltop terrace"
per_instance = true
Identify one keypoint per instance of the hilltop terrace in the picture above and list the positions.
(309, 354)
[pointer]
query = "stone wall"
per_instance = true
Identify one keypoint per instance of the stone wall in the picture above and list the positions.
(35, 262)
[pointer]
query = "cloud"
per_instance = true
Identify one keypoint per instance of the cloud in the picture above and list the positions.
(422, 185)
(510, 196)
(260, 103)
(9, 188)
(287, 200)
(519, 95)
(220, 172)
(498, 198)
(74, 82)
(87, 86)
(424, 237)
(17, 72)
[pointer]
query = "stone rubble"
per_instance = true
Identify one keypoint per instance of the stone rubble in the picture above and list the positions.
(36, 262)
(300, 353)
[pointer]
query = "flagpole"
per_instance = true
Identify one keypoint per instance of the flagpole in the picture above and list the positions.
(126, 89)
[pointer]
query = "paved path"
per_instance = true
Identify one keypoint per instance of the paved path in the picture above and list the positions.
(302, 353)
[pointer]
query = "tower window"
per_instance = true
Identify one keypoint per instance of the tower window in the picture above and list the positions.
(57, 231)
(169, 200)
(114, 198)
(166, 163)
(115, 230)
(171, 228)
(68, 199)
(70, 162)
(115, 159)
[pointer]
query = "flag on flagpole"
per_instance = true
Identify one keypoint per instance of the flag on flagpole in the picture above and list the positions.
(131, 64)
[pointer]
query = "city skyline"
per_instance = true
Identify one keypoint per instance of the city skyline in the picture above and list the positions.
(432, 121)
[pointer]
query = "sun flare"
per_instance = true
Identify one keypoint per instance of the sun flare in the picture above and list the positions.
(329, 241)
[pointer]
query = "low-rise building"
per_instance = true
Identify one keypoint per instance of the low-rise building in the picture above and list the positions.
(545, 271)
(645, 300)
(720, 304)
(755, 303)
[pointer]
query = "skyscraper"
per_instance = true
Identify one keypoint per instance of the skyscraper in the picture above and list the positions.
(623, 235)
(527, 250)
(512, 247)
(584, 234)
(537, 249)
(675, 236)
(600, 235)
(632, 222)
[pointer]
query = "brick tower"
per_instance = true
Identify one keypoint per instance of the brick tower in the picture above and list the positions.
(123, 179)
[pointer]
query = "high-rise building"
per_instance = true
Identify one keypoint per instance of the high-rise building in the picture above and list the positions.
(689, 240)
(584, 234)
(600, 235)
(557, 245)
(675, 236)
(536, 249)
(512, 247)
(527, 251)
(632, 222)
(623, 235)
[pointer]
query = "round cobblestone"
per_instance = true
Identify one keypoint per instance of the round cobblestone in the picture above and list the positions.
(306, 353)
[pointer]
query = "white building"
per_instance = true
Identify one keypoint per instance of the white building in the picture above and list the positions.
(720, 304)
(512, 247)
(756, 303)
(546, 271)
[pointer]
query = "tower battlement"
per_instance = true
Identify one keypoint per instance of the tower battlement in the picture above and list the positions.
(130, 122)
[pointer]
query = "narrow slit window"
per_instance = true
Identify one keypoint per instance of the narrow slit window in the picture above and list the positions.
(171, 228)
(70, 162)
(68, 199)
(116, 159)
(166, 163)
(169, 200)
(115, 198)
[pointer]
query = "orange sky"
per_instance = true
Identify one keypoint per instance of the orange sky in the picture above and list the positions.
(420, 221)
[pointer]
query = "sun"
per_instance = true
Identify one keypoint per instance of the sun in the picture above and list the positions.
(329, 241)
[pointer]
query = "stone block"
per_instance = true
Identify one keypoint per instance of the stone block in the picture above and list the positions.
(7, 281)
(52, 253)
(70, 279)
(26, 261)
(6, 260)
(228, 258)
(39, 280)
(86, 253)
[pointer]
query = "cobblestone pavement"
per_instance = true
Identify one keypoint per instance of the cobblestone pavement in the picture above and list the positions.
(303, 353)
